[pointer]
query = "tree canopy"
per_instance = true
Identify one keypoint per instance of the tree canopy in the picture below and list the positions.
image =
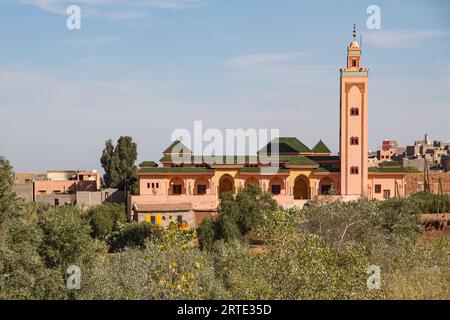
(8, 198)
(119, 164)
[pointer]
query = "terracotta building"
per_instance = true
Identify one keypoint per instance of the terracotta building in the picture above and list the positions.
(187, 190)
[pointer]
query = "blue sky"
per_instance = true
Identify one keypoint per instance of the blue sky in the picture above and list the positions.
(147, 67)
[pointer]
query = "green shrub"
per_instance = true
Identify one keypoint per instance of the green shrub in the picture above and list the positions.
(66, 238)
(301, 267)
(133, 235)
(206, 232)
(239, 216)
(106, 218)
(171, 267)
(370, 223)
(431, 203)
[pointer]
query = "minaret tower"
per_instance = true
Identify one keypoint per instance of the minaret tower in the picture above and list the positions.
(354, 123)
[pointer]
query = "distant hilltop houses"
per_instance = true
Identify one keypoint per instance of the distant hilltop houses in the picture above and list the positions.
(423, 155)
(185, 188)
(61, 187)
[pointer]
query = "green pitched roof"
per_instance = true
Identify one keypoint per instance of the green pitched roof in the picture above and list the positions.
(323, 169)
(286, 145)
(148, 164)
(320, 147)
(390, 164)
(176, 170)
(302, 161)
(181, 148)
(388, 170)
(230, 160)
(259, 169)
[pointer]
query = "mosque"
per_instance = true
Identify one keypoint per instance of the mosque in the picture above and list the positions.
(185, 192)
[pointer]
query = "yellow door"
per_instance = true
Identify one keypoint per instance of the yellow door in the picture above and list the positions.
(158, 219)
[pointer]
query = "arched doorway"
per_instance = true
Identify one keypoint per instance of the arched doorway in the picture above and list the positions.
(226, 184)
(176, 186)
(201, 186)
(276, 186)
(301, 188)
(326, 186)
(252, 180)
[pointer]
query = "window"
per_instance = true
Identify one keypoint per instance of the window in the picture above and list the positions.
(148, 185)
(153, 185)
(153, 220)
(354, 170)
(201, 189)
(386, 194)
(354, 111)
(276, 189)
(354, 141)
(56, 202)
(177, 188)
(378, 188)
(354, 63)
(157, 185)
(179, 219)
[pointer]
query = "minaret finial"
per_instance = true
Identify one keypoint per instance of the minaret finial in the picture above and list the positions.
(354, 32)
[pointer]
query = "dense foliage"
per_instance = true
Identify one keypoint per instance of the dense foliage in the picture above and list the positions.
(119, 164)
(8, 198)
(320, 252)
(431, 203)
(106, 219)
(238, 216)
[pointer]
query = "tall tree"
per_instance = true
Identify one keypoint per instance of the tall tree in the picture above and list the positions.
(8, 198)
(107, 161)
(119, 164)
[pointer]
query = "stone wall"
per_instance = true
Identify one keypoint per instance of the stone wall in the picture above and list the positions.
(414, 182)
(90, 199)
(51, 199)
(24, 191)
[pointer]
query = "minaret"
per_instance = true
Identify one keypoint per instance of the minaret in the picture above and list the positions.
(354, 123)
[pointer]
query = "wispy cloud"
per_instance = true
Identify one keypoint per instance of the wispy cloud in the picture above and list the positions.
(115, 9)
(252, 61)
(402, 38)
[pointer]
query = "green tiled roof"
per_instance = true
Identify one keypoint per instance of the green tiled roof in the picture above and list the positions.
(286, 145)
(302, 161)
(148, 164)
(320, 147)
(214, 159)
(319, 158)
(176, 170)
(231, 160)
(323, 169)
(258, 170)
(388, 170)
(180, 146)
(390, 164)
